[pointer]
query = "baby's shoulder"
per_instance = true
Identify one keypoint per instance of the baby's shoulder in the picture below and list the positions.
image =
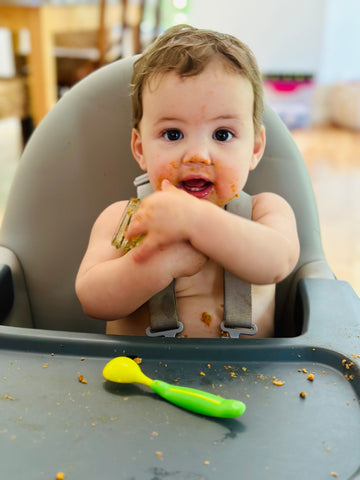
(116, 207)
(113, 210)
(266, 203)
(110, 216)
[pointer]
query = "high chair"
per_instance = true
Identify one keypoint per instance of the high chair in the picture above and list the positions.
(77, 162)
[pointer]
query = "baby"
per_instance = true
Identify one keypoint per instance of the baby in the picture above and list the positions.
(197, 132)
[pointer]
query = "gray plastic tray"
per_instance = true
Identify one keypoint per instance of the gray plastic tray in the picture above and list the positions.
(51, 422)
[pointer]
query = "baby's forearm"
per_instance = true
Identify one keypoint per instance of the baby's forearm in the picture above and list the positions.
(115, 288)
(262, 250)
(257, 252)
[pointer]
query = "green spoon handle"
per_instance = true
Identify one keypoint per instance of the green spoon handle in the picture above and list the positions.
(198, 401)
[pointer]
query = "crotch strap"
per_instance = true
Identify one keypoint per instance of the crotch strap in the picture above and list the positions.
(237, 320)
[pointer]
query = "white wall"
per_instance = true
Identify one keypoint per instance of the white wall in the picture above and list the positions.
(285, 35)
(320, 37)
(340, 59)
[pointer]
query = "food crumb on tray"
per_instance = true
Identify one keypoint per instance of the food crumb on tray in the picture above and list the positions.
(278, 383)
(346, 364)
(81, 379)
(7, 397)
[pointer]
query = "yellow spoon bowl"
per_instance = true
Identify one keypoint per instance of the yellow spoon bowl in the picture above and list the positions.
(125, 370)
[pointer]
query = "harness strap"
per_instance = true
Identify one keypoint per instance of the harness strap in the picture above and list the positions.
(164, 320)
(237, 293)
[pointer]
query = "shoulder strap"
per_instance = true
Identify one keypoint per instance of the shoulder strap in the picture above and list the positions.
(164, 321)
(237, 293)
(143, 187)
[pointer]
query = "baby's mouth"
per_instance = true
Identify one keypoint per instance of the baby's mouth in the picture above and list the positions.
(198, 187)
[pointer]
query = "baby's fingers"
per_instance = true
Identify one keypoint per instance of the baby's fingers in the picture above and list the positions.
(137, 227)
(144, 250)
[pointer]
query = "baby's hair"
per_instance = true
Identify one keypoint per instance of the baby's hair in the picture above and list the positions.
(186, 51)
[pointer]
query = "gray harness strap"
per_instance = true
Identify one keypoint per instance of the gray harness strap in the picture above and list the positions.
(164, 318)
(237, 293)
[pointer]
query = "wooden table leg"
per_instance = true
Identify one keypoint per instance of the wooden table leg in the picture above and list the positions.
(42, 65)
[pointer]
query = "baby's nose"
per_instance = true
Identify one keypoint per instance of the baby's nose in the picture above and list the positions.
(196, 158)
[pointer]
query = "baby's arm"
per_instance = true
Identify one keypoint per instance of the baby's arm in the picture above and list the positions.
(263, 250)
(110, 285)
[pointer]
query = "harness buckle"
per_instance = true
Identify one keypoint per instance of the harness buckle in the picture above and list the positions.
(235, 332)
(172, 332)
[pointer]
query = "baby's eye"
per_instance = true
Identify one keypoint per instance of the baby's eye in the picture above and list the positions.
(222, 135)
(173, 134)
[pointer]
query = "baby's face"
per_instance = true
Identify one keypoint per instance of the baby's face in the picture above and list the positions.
(198, 133)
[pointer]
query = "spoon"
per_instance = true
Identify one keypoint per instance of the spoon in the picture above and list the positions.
(126, 370)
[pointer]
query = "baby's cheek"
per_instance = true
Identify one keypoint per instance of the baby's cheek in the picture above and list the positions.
(228, 186)
(164, 172)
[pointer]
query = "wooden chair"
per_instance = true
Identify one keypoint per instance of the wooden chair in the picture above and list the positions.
(80, 53)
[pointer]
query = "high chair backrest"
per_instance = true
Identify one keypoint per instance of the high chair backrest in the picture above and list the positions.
(77, 162)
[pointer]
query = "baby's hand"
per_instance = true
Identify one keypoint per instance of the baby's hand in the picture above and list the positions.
(163, 218)
(183, 259)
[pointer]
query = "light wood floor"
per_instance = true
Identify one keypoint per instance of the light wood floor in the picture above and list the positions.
(332, 156)
(333, 159)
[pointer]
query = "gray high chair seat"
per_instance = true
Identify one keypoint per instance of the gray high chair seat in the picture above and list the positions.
(77, 162)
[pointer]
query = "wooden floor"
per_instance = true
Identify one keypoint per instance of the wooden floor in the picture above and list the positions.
(332, 156)
(333, 159)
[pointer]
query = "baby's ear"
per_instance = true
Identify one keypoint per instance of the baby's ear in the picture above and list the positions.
(259, 147)
(137, 148)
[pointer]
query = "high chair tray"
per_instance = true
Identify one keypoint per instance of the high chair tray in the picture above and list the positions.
(51, 422)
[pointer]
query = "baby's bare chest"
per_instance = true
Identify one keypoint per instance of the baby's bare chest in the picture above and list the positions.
(200, 306)
(207, 282)
(200, 303)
